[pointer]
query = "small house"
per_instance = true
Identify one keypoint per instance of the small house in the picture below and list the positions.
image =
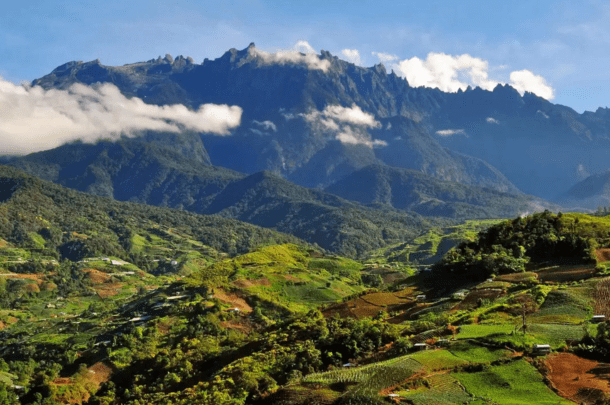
(347, 365)
(235, 310)
(442, 342)
(420, 346)
(490, 280)
(173, 263)
(598, 318)
(421, 297)
(542, 349)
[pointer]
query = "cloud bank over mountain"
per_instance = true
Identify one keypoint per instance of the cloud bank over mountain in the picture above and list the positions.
(451, 73)
(34, 119)
(301, 53)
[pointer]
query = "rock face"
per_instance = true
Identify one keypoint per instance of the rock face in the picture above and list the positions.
(314, 119)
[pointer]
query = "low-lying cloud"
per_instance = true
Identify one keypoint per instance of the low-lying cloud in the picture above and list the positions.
(34, 119)
(449, 132)
(451, 73)
(301, 54)
(348, 123)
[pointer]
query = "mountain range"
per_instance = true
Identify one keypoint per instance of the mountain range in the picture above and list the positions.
(323, 138)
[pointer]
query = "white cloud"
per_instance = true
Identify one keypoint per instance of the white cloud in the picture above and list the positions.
(301, 53)
(267, 125)
(524, 80)
(446, 72)
(449, 132)
(353, 115)
(491, 120)
(33, 119)
(348, 123)
(350, 137)
(352, 55)
(385, 57)
(451, 73)
(304, 47)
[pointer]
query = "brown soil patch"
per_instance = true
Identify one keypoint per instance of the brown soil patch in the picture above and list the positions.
(290, 277)
(12, 319)
(240, 326)
(101, 373)
(247, 283)
(602, 298)
(108, 289)
(38, 277)
(2, 325)
(602, 255)
(369, 305)
(562, 274)
(96, 276)
(574, 376)
(62, 381)
(234, 300)
(384, 299)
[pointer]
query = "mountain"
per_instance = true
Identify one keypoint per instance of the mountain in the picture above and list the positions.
(137, 170)
(411, 190)
(55, 221)
(293, 125)
(591, 193)
(290, 123)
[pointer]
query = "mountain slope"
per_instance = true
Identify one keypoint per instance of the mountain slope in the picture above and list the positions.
(285, 124)
(591, 193)
(414, 191)
(54, 219)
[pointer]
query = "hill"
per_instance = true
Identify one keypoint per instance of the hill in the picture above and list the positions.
(287, 324)
(142, 171)
(411, 190)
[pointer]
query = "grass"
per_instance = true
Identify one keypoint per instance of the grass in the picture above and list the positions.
(515, 383)
(476, 354)
(479, 331)
(555, 334)
(434, 360)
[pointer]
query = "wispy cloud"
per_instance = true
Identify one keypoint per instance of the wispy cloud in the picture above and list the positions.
(266, 125)
(449, 132)
(301, 54)
(384, 57)
(33, 119)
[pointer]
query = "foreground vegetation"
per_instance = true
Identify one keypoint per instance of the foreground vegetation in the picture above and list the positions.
(110, 303)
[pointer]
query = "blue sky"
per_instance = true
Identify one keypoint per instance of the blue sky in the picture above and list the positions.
(566, 43)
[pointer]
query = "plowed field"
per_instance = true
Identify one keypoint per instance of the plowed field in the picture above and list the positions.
(576, 378)
(562, 274)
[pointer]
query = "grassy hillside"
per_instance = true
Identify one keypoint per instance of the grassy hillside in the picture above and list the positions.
(169, 317)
